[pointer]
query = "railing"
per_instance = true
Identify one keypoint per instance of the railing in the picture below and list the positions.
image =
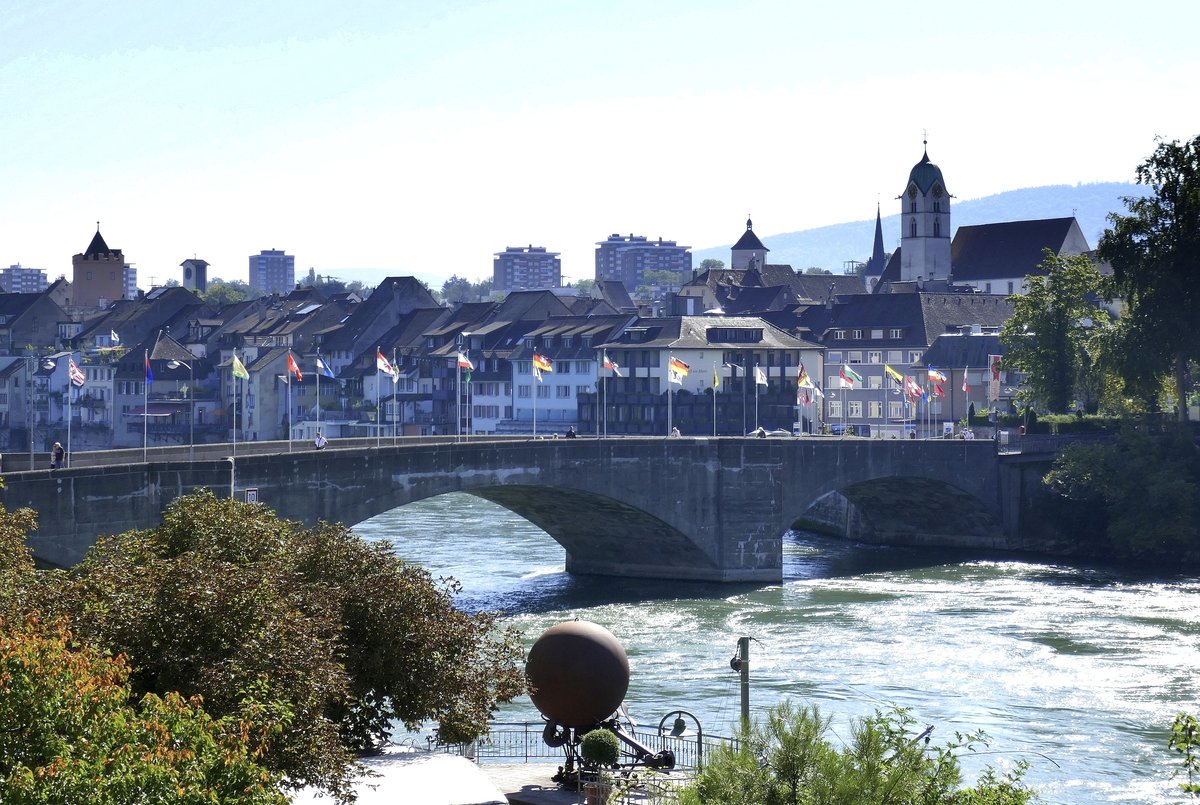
(521, 742)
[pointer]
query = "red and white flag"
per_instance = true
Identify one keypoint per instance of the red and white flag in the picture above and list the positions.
(75, 373)
(966, 385)
(294, 368)
(381, 363)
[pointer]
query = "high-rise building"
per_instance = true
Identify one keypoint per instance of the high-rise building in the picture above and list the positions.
(18, 279)
(627, 259)
(523, 268)
(131, 289)
(99, 274)
(273, 271)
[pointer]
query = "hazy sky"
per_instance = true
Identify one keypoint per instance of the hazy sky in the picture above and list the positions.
(422, 137)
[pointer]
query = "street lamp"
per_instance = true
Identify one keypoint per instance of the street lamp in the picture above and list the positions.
(679, 730)
(173, 364)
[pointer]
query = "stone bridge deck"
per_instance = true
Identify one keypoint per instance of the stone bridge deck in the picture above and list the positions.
(692, 508)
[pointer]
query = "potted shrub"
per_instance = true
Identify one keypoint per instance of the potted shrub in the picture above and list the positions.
(600, 749)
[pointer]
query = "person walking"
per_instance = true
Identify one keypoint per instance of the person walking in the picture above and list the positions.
(57, 454)
(319, 442)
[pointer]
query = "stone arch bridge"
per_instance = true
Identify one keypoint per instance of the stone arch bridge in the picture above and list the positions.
(704, 509)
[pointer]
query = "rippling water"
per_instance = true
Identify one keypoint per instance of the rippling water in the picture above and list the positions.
(1079, 670)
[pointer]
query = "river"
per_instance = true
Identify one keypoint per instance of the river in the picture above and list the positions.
(1078, 669)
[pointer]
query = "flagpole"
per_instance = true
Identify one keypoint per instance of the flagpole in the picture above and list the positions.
(69, 386)
(603, 406)
(237, 398)
(538, 377)
(318, 389)
(714, 403)
(378, 399)
(395, 382)
(145, 405)
(756, 370)
(287, 373)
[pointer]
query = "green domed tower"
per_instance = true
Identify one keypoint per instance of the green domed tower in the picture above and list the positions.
(925, 224)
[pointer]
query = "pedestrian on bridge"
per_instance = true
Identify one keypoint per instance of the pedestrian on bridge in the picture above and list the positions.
(57, 454)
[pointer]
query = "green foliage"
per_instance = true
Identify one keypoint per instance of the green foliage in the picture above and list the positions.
(220, 292)
(585, 287)
(711, 264)
(600, 748)
(1052, 335)
(1185, 739)
(1155, 255)
(817, 270)
(457, 290)
(1146, 486)
(789, 760)
(71, 735)
(225, 595)
(662, 279)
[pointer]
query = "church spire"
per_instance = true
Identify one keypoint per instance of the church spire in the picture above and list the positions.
(877, 251)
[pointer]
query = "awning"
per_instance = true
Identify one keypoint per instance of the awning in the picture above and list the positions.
(154, 409)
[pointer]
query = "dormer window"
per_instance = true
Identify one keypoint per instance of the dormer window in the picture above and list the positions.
(566, 339)
(528, 343)
(839, 335)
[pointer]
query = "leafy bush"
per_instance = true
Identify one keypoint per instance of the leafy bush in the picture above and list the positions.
(1148, 487)
(600, 748)
(71, 734)
(226, 601)
(790, 761)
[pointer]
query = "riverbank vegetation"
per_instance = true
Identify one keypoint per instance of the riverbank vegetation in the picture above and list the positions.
(790, 760)
(300, 645)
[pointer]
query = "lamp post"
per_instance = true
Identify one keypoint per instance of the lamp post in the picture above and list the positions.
(173, 364)
(679, 730)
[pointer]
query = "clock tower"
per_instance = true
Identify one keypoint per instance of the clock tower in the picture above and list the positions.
(925, 224)
(195, 275)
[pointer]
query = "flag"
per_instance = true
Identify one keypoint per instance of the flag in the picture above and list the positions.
(760, 377)
(542, 363)
(464, 362)
(609, 363)
(802, 397)
(716, 379)
(112, 336)
(239, 369)
(382, 365)
(936, 376)
(893, 374)
(913, 389)
(324, 369)
(937, 390)
(677, 370)
(966, 385)
(74, 372)
(149, 371)
(294, 368)
(849, 376)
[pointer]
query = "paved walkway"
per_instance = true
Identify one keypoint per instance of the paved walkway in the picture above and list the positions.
(530, 784)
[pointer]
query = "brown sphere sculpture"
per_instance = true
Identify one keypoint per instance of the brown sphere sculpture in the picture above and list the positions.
(578, 673)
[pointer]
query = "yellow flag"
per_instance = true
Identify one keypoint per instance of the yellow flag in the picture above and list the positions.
(893, 374)
(716, 379)
(239, 369)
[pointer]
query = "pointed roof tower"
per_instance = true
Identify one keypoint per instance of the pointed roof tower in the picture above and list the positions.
(97, 247)
(925, 173)
(749, 240)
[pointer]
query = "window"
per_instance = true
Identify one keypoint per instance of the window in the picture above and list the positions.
(839, 335)
(895, 409)
(543, 392)
(856, 335)
(523, 392)
(874, 381)
(912, 228)
(562, 392)
(835, 409)
(937, 227)
(854, 409)
(914, 356)
(912, 205)
(937, 207)
(875, 409)
(583, 367)
(835, 357)
(1010, 288)
(877, 333)
(524, 367)
(894, 332)
(895, 356)
(583, 389)
(987, 287)
(874, 357)
(855, 357)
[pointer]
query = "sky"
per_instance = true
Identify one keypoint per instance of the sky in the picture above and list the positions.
(390, 137)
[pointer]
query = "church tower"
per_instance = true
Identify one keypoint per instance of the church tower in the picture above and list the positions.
(748, 253)
(925, 224)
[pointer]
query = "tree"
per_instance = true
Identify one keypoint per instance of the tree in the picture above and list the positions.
(1155, 255)
(457, 290)
(790, 761)
(70, 733)
(817, 270)
(1049, 336)
(221, 292)
(662, 279)
(709, 264)
(584, 287)
(224, 595)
